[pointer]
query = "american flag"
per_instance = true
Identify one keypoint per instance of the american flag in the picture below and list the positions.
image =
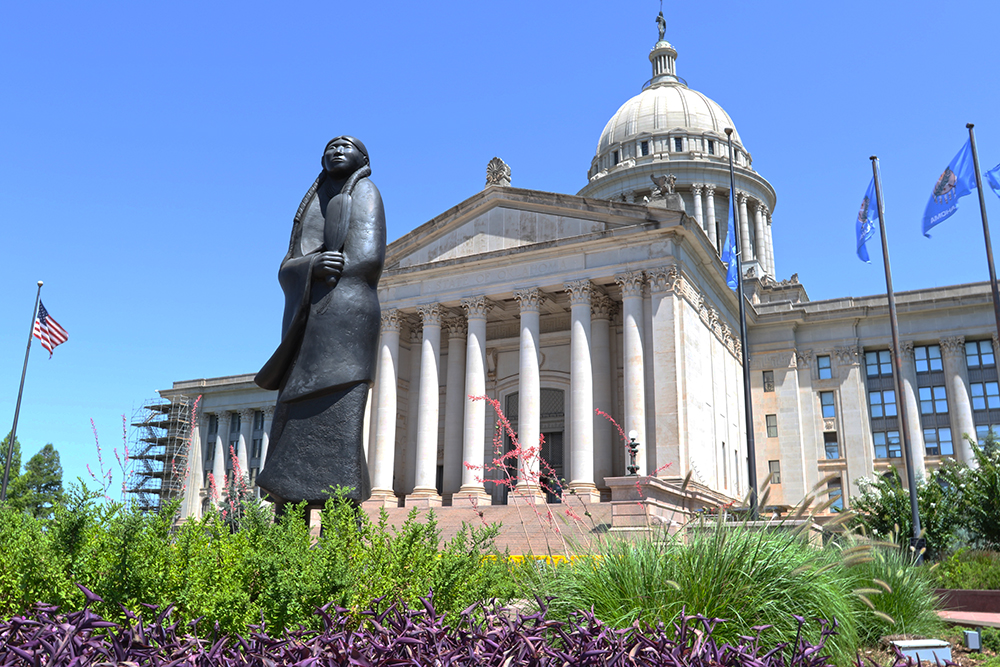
(48, 330)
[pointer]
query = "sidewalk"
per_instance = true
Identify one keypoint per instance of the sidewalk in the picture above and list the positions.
(971, 618)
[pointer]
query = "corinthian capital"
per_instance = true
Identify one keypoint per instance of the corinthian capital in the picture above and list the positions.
(580, 291)
(953, 346)
(391, 320)
(477, 306)
(664, 279)
(430, 314)
(601, 306)
(631, 283)
(530, 299)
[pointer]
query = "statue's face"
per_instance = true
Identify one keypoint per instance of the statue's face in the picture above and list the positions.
(342, 158)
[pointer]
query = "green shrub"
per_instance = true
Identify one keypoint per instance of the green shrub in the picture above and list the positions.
(727, 571)
(888, 583)
(990, 638)
(969, 569)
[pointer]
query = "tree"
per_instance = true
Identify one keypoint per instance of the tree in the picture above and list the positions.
(15, 462)
(983, 493)
(42, 482)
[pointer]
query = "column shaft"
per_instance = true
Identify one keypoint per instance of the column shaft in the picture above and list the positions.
(713, 234)
(956, 378)
(242, 455)
(385, 418)
(632, 325)
(696, 192)
(428, 405)
(600, 344)
(744, 228)
(529, 397)
(760, 242)
(474, 440)
(581, 385)
(454, 407)
(909, 382)
(219, 465)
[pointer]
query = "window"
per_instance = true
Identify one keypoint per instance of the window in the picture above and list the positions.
(253, 475)
(933, 400)
(825, 372)
(678, 144)
(644, 147)
(826, 400)
(831, 446)
(835, 491)
(614, 157)
(928, 358)
(887, 445)
(711, 147)
(938, 441)
(772, 425)
(985, 395)
(258, 420)
(879, 364)
(234, 423)
(725, 471)
(205, 480)
(769, 381)
(213, 425)
(882, 403)
(979, 353)
(774, 467)
(256, 449)
(983, 431)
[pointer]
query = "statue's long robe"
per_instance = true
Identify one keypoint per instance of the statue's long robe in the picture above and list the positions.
(325, 363)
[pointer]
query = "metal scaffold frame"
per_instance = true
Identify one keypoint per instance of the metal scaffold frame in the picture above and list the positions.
(159, 446)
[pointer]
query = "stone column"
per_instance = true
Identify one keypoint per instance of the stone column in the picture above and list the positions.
(384, 453)
(219, 465)
(956, 379)
(760, 250)
(412, 408)
(696, 191)
(474, 440)
(916, 433)
(529, 397)
(770, 246)
(581, 388)
(631, 284)
(195, 473)
(713, 235)
(454, 407)
(428, 404)
(744, 228)
(246, 434)
(605, 439)
(265, 438)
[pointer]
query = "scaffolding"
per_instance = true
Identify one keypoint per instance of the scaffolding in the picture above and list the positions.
(158, 452)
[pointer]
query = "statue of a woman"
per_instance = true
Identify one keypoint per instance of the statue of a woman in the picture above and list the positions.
(661, 25)
(325, 362)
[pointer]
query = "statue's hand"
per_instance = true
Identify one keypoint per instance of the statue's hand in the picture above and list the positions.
(328, 266)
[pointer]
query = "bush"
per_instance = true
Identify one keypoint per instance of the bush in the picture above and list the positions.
(236, 573)
(726, 571)
(969, 569)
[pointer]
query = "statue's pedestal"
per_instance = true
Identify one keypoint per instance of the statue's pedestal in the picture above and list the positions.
(670, 202)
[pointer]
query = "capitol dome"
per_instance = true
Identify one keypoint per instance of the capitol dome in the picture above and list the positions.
(668, 129)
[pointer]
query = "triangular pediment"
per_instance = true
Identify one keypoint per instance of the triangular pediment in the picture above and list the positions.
(504, 218)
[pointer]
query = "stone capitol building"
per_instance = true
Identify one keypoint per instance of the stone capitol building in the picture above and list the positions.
(614, 299)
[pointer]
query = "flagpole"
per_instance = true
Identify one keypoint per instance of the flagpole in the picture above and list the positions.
(897, 368)
(986, 227)
(20, 390)
(747, 398)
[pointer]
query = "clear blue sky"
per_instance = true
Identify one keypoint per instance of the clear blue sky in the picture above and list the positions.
(153, 154)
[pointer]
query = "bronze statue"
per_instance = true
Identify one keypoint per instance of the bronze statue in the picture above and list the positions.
(325, 362)
(661, 25)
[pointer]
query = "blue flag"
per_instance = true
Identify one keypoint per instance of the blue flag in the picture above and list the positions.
(867, 217)
(729, 255)
(993, 178)
(957, 180)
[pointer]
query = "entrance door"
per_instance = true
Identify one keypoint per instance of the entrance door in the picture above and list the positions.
(551, 467)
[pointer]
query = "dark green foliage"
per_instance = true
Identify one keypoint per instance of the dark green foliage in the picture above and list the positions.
(990, 638)
(236, 572)
(15, 464)
(983, 494)
(969, 569)
(42, 482)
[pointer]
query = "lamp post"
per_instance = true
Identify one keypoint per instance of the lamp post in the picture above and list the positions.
(633, 448)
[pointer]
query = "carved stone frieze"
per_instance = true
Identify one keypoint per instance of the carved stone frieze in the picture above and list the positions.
(765, 362)
(805, 357)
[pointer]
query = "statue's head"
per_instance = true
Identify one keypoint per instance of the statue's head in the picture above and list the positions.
(343, 156)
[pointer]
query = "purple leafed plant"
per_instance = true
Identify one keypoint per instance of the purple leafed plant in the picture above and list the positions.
(398, 636)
